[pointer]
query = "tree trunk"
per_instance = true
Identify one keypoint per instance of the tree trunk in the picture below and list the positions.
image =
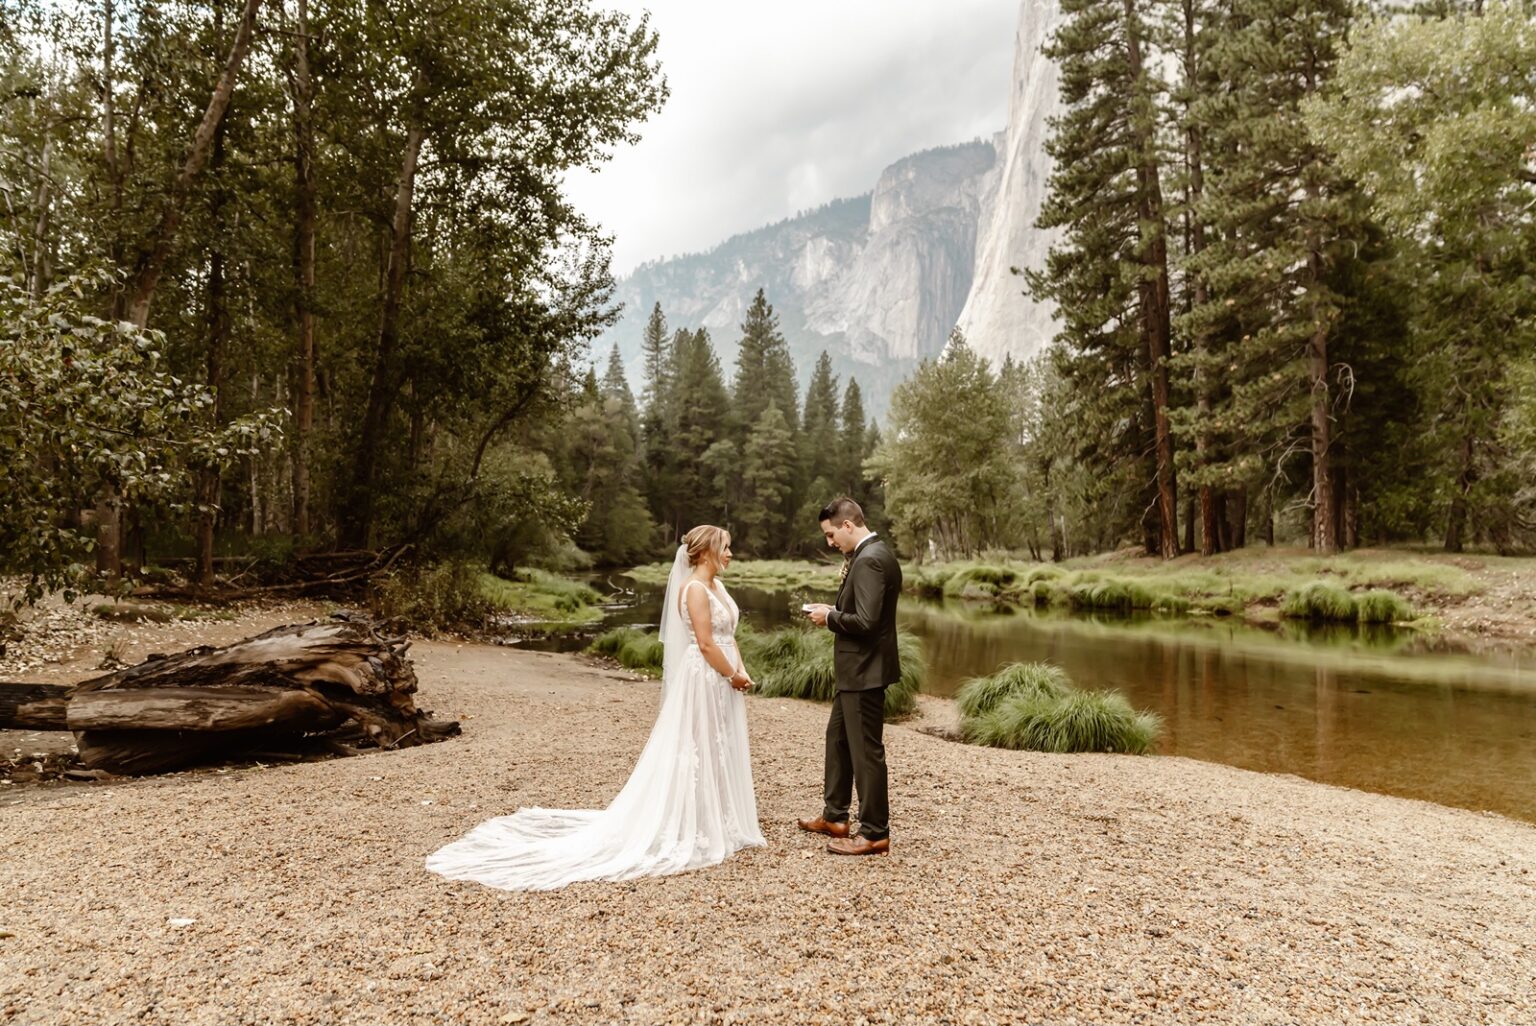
(303, 271)
(253, 463)
(1352, 515)
(1456, 523)
(1155, 304)
(43, 204)
(1210, 529)
(1324, 511)
(272, 689)
(109, 559)
(109, 531)
(209, 478)
(33, 706)
(1237, 509)
(357, 515)
(1189, 524)
(1223, 540)
(151, 263)
(1057, 542)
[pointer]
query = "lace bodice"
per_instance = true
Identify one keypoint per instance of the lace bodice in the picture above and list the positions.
(723, 613)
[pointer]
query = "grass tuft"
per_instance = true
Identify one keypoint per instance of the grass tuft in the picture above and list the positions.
(1319, 601)
(1382, 606)
(981, 695)
(639, 650)
(1034, 707)
(792, 662)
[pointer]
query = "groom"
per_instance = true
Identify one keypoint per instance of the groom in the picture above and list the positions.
(866, 663)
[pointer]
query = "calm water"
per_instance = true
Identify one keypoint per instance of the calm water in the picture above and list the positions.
(1356, 710)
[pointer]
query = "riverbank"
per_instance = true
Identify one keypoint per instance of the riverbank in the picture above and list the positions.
(1021, 887)
(1467, 603)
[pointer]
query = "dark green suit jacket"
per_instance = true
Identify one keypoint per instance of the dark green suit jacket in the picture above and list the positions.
(864, 620)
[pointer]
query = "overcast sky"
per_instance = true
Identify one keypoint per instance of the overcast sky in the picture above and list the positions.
(778, 107)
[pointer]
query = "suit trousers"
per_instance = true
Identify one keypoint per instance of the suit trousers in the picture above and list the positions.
(856, 755)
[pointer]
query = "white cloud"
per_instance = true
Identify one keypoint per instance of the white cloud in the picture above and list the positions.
(777, 108)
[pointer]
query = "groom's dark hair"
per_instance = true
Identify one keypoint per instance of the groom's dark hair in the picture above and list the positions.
(842, 509)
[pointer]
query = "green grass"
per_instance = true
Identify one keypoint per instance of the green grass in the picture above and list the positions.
(983, 581)
(1381, 606)
(792, 662)
(1080, 721)
(639, 650)
(766, 574)
(981, 695)
(1252, 582)
(796, 662)
(543, 596)
(1034, 706)
(1321, 602)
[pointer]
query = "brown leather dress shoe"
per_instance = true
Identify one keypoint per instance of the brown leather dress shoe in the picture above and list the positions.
(859, 846)
(821, 825)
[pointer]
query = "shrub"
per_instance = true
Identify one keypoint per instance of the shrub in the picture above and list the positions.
(1116, 596)
(430, 599)
(1080, 721)
(929, 583)
(798, 663)
(980, 582)
(789, 663)
(1319, 601)
(1382, 606)
(1034, 706)
(1044, 573)
(631, 647)
(980, 695)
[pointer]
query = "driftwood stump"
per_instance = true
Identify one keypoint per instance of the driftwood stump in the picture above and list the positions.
(279, 691)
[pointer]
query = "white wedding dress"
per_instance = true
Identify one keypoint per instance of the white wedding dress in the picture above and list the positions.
(688, 803)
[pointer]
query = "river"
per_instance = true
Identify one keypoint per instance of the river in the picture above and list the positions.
(1364, 710)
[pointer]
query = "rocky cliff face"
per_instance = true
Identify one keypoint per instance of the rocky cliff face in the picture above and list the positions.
(999, 319)
(876, 281)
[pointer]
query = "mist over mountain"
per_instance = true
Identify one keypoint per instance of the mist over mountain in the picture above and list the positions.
(878, 280)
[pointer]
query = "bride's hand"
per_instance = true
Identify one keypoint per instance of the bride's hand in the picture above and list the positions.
(740, 681)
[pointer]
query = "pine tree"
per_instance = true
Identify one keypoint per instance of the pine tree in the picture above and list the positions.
(657, 440)
(1109, 275)
(655, 350)
(1430, 115)
(820, 434)
(767, 473)
(853, 444)
(1283, 219)
(765, 373)
(702, 410)
(1199, 325)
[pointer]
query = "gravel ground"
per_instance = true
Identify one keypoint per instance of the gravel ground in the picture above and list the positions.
(1021, 888)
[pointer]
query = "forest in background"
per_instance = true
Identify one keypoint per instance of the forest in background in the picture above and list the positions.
(1294, 273)
(294, 276)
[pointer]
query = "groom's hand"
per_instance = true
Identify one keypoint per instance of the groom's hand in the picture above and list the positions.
(818, 613)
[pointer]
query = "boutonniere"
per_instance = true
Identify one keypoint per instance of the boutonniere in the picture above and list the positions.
(842, 571)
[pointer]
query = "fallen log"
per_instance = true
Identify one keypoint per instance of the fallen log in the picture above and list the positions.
(295, 687)
(32, 706)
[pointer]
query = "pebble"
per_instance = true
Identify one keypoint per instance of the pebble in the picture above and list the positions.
(1005, 898)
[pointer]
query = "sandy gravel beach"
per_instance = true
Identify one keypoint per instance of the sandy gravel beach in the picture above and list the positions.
(1021, 888)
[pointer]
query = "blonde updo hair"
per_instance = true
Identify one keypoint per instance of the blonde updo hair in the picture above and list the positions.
(706, 540)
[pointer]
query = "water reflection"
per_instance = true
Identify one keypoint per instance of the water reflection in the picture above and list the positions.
(1340, 708)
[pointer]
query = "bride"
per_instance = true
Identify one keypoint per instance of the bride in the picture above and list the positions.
(689, 801)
